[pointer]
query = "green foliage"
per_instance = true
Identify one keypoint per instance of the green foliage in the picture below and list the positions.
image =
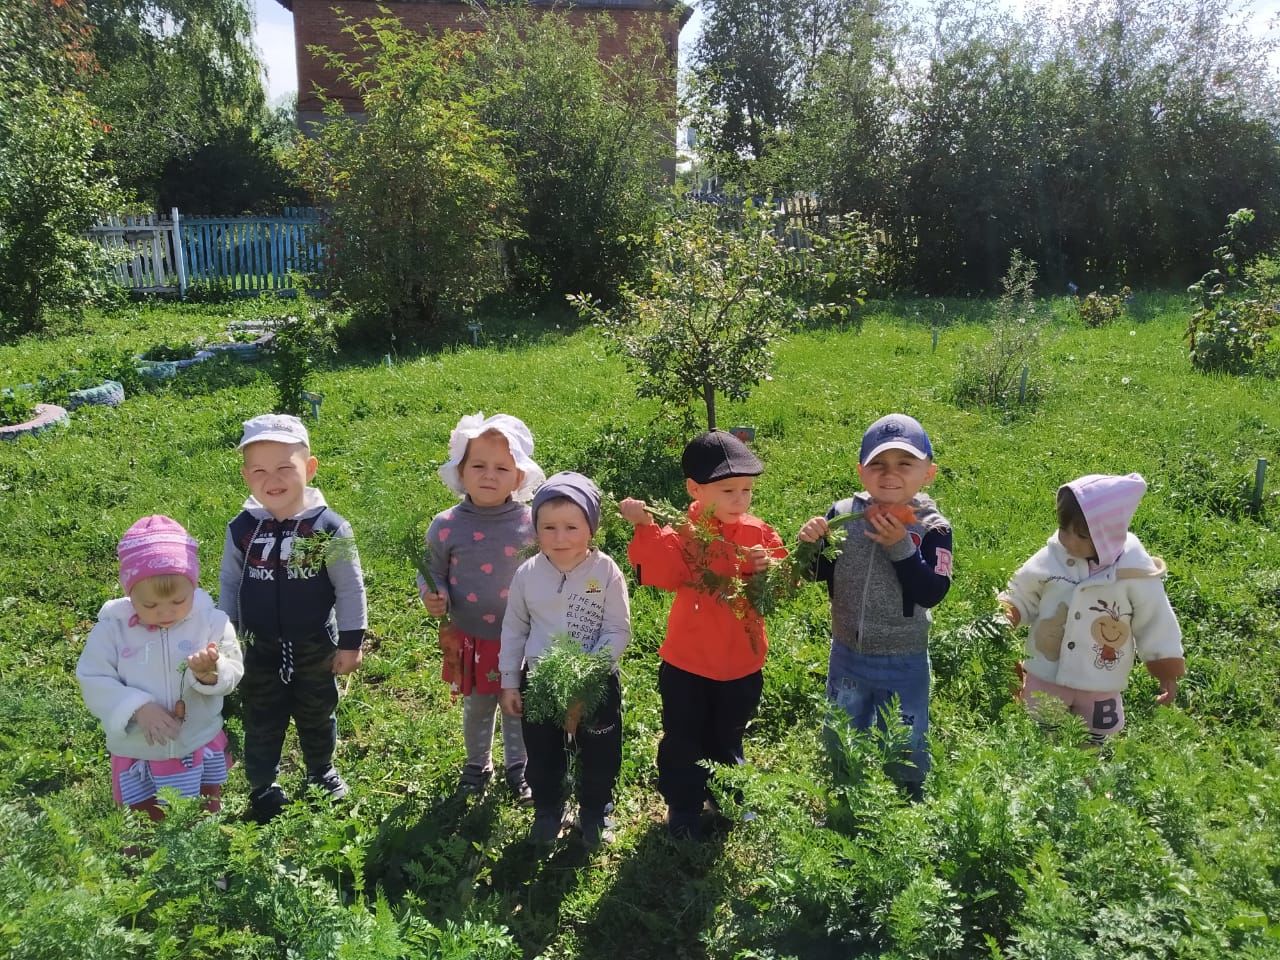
(1105, 141)
(16, 406)
(53, 187)
(180, 87)
(1099, 309)
(419, 190)
(170, 351)
(92, 370)
(705, 318)
(1161, 845)
(299, 342)
(1232, 328)
(587, 140)
(991, 374)
(843, 261)
(563, 676)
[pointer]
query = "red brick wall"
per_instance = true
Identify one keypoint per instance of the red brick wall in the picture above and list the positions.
(315, 22)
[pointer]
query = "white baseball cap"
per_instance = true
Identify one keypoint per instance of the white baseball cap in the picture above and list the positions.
(279, 427)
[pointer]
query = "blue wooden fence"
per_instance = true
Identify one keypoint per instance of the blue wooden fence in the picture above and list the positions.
(242, 254)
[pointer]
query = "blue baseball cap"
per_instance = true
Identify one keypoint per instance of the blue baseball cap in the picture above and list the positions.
(896, 431)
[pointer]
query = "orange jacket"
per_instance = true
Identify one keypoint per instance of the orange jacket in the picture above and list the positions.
(706, 635)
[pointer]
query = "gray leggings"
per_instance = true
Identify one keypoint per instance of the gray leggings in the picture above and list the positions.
(477, 732)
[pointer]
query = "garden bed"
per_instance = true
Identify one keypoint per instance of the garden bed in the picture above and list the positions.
(47, 415)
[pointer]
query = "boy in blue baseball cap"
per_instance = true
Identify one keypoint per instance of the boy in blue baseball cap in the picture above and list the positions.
(893, 566)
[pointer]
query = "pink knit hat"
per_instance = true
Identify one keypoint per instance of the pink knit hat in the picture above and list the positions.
(155, 546)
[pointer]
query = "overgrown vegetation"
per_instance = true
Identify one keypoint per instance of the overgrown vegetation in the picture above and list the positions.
(1161, 845)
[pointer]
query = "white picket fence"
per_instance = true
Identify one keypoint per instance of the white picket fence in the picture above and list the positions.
(157, 254)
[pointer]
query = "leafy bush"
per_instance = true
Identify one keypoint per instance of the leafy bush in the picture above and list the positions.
(1099, 309)
(100, 365)
(165, 351)
(705, 317)
(419, 190)
(990, 375)
(587, 140)
(16, 406)
(1232, 328)
(53, 188)
(295, 351)
(842, 263)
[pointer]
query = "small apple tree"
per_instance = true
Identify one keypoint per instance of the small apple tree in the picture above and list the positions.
(707, 310)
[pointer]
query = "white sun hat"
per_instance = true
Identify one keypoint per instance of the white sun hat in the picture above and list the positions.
(519, 441)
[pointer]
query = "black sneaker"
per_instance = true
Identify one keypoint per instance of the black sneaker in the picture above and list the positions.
(547, 825)
(684, 825)
(265, 803)
(474, 779)
(330, 781)
(518, 786)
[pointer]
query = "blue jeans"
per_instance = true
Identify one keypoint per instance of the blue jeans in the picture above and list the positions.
(861, 684)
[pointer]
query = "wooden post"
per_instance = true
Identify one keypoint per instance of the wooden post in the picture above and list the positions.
(179, 260)
(1259, 480)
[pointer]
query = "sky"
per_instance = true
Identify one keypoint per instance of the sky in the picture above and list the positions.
(274, 37)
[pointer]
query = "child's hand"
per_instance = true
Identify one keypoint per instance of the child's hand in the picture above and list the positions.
(757, 559)
(437, 604)
(157, 723)
(884, 528)
(814, 529)
(635, 512)
(1168, 691)
(347, 661)
(511, 702)
(1010, 612)
(203, 664)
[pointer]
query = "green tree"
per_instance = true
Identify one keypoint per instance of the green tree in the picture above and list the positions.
(707, 313)
(587, 140)
(753, 62)
(420, 191)
(180, 86)
(53, 186)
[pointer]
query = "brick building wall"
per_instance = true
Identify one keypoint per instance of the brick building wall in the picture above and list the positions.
(317, 23)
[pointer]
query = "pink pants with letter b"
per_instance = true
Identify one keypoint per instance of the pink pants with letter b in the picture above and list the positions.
(1103, 711)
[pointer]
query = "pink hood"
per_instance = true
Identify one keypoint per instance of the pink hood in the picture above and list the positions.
(1108, 503)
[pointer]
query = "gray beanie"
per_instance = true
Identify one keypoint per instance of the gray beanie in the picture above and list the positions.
(575, 488)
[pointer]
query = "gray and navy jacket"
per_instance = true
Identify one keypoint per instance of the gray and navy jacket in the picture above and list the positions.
(272, 599)
(880, 597)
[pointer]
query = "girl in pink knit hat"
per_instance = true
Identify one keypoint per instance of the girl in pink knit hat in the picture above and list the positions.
(1094, 604)
(155, 668)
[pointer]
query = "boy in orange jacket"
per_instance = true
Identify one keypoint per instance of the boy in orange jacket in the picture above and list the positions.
(710, 678)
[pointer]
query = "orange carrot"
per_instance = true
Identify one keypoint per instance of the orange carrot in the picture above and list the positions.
(180, 710)
(901, 511)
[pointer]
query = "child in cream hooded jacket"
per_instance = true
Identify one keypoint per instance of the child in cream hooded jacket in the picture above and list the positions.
(1093, 600)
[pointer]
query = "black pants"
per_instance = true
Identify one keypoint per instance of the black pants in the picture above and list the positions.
(702, 719)
(598, 744)
(310, 699)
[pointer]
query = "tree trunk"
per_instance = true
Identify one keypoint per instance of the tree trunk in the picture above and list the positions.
(709, 397)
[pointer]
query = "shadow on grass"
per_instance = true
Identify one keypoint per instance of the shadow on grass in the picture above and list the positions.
(432, 853)
(664, 895)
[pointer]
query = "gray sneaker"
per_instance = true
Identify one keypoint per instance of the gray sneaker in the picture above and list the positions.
(518, 786)
(597, 828)
(474, 779)
(330, 781)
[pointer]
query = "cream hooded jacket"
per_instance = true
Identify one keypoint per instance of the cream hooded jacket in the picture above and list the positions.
(1086, 630)
(124, 667)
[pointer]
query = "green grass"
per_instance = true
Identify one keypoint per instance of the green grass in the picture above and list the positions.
(1164, 844)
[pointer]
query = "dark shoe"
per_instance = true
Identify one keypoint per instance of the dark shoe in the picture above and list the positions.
(265, 803)
(330, 781)
(518, 786)
(684, 825)
(474, 779)
(597, 828)
(547, 825)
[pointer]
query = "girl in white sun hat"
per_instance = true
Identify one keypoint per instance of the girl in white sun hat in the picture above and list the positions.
(473, 550)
